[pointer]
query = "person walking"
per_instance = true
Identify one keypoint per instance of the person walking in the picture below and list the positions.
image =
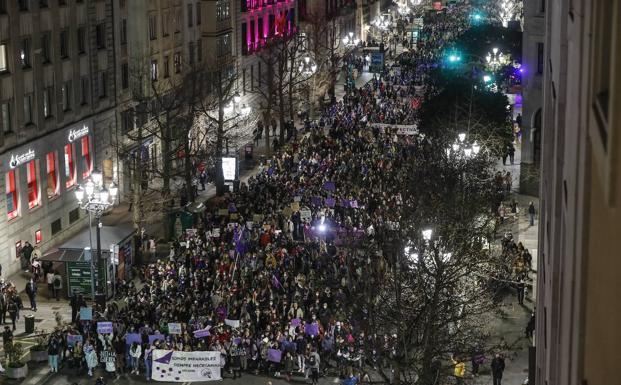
(511, 152)
(53, 348)
(31, 291)
(49, 279)
(521, 288)
(313, 363)
(13, 309)
(459, 371)
(76, 302)
(134, 353)
(90, 355)
(498, 367)
(531, 213)
(58, 285)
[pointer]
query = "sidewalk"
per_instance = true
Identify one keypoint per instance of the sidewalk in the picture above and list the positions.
(510, 323)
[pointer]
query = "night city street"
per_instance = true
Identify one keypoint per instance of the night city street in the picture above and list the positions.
(271, 192)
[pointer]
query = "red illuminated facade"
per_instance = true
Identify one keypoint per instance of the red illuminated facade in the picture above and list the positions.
(263, 20)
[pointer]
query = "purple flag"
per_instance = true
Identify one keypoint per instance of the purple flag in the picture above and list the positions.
(316, 201)
(275, 281)
(311, 329)
(329, 186)
(130, 338)
(330, 202)
(274, 355)
(344, 203)
(295, 322)
(232, 208)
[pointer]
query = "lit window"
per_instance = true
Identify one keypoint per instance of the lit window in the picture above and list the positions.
(11, 194)
(69, 166)
(33, 187)
(52, 175)
(38, 237)
(87, 166)
(4, 63)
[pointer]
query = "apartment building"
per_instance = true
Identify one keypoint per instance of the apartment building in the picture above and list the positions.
(578, 311)
(56, 113)
(532, 92)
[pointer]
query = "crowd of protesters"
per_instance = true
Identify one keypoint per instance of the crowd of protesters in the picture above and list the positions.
(270, 272)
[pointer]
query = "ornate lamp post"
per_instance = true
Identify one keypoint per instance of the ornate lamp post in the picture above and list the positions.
(495, 59)
(95, 198)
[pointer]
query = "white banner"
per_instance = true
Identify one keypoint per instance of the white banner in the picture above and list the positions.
(402, 129)
(177, 366)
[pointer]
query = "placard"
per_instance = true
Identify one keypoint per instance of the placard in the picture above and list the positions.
(86, 313)
(274, 355)
(305, 214)
(130, 338)
(287, 211)
(295, 206)
(107, 356)
(232, 323)
(215, 233)
(104, 327)
(257, 218)
(72, 339)
(174, 328)
(179, 366)
(202, 333)
(156, 337)
(223, 212)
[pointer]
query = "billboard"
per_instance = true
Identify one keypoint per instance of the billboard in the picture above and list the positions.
(229, 168)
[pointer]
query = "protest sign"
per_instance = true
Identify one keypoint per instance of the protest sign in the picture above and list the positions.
(72, 339)
(201, 333)
(234, 216)
(330, 202)
(257, 218)
(104, 327)
(223, 212)
(287, 211)
(295, 322)
(174, 328)
(130, 338)
(295, 206)
(179, 366)
(107, 356)
(86, 313)
(305, 214)
(232, 322)
(274, 355)
(329, 186)
(156, 337)
(311, 329)
(297, 198)
(215, 233)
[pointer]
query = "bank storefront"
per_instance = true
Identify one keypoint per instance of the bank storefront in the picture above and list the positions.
(38, 179)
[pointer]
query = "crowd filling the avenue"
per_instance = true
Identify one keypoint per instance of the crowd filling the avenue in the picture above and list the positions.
(275, 273)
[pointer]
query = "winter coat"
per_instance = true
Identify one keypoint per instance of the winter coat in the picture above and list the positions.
(90, 355)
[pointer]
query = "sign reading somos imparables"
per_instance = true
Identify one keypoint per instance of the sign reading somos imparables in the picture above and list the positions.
(177, 366)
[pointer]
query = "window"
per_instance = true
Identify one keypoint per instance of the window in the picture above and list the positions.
(56, 227)
(33, 187)
(222, 10)
(43, 4)
(539, 58)
(166, 66)
(100, 33)
(244, 39)
(64, 44)
(45, 47)
(191, 53)
(38, 237)
(84, 83)
(5, 117)
(65, 90)
(62, 3)
(4, 61)
(124, 76)
(11, 194)
(244, 81)
(252, 78)
(190, 16)
(87, 165)
(81, 40)
(199, 51)
(74, 215)
(165, 23)
(223, 45)
(152, 27)
(28, 109)
(23, 5)
(177, 62)
(177, 20)
(123, 31)
(52, 175)
(47, 104)
(154, 70)
(69, 166)
(2, 6)
(24, 53)
(198, 13)
(102, 84)
(542, 6)
(127, 120)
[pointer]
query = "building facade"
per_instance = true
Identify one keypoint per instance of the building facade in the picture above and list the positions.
(578, 314)
(532, 75)
(56, 115)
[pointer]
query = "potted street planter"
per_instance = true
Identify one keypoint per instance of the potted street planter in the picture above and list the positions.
(38, 353)
(16, 368)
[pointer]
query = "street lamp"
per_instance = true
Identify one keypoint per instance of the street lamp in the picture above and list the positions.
(494, 59)
(95, 198)
(427, 234)
(307, 66)
(350, 41)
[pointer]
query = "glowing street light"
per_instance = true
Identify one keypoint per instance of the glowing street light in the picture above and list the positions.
(307, 66)
(427, 234)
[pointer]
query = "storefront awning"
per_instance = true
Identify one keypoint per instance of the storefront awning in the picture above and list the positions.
(110, 235)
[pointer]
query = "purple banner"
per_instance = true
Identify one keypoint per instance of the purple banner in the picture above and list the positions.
(311, 329)
(274, 355)
(72, 339)
(330, 202)
(295, 322)
(201, 333)
(345, 203)
(329, 186)
(104, 327)
(156, 337)
(130, 338)
(232, 208)
(289, 346)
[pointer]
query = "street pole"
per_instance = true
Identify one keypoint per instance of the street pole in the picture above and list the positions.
(100, 290)
(90, 239)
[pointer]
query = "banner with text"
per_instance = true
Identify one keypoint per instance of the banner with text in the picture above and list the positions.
(177, 366)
